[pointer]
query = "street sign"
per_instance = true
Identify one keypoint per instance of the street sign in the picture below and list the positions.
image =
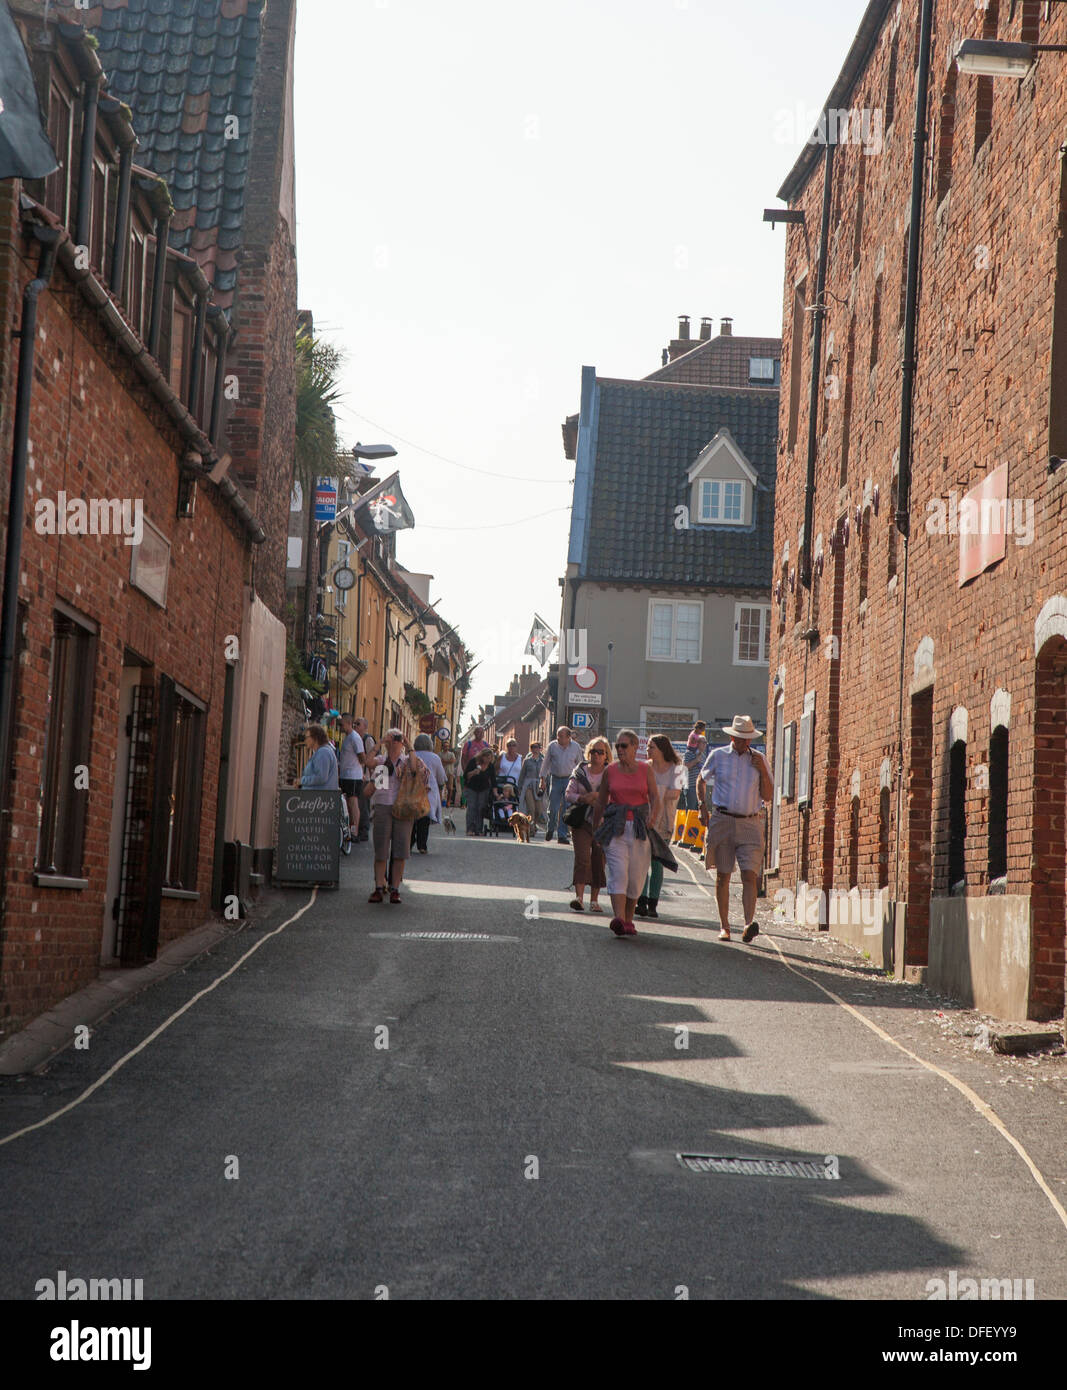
(325, 499)
(580, 697)
(309, 837)
(581, 720)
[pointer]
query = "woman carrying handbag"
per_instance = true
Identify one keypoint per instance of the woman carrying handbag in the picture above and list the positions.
(580, 794)
(401, 796)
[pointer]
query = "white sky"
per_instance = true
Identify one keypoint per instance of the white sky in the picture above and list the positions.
(489, 195)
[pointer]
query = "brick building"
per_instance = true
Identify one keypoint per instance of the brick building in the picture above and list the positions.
(144, 734)
(917, 662)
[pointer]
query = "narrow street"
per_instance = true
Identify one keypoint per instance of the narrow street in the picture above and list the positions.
(517, 1138)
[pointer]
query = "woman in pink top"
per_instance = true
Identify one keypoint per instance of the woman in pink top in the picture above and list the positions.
(627, 802)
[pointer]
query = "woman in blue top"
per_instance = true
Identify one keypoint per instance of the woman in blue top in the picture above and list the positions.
(321, 769)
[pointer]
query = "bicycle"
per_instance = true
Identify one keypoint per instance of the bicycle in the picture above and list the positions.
(346, 826)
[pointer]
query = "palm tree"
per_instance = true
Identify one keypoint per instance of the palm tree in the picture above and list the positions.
(317, 449)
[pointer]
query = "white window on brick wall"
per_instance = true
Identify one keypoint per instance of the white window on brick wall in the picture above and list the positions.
(674, 630)
(721, 501)
(752, 634)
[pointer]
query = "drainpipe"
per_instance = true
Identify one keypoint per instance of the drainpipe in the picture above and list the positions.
(385, 664)
(819, 314)
(122, 211)
(222, 796)
(83, 222)
(222, 343)
(196, 374)
(159, 284)
(48, 238)
(907, 383)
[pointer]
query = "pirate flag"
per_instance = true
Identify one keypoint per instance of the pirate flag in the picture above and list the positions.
(542, 640)
(25, 150)
(385, 507)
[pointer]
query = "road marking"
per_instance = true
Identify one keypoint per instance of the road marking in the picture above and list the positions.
(438, 936)
(984, 1109)
(157, 1031)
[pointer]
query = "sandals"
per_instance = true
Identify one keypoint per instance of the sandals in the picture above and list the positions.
(394, 895)
(724, 935)
(576, 906)
(376, 896)
(595, 907)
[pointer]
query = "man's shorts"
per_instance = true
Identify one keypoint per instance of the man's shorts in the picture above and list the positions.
(352, 786)
(734, 843)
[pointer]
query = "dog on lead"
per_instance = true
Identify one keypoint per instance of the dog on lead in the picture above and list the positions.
(449, 824)
(520, 824)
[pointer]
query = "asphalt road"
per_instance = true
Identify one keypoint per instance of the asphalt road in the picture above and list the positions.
(517, 1138)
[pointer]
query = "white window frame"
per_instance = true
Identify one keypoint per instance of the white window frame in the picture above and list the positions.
(760, 376)
(673, 603)
(716, 516)
(765, 633)
(652, 716)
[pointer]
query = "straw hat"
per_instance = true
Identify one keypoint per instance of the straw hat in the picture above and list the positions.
(742, 727)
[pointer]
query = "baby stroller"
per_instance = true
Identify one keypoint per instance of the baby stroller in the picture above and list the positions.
(503, 806)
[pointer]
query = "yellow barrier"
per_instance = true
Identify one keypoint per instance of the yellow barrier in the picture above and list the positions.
(679, 827)
(692, 828)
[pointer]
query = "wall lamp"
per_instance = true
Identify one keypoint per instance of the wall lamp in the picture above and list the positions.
(988, 58)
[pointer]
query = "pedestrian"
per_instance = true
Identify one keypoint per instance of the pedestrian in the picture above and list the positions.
(351, 772)
(696, 750)
(669, 772)
(369, 753)
(529, 780)
(480, 783)
(392, 834)
(474, 745)
(733, 783)
(580, 796)
(509, 764)
(627, 801)
(448, 762)
(420, 831)
(561, 758)
(321, 769)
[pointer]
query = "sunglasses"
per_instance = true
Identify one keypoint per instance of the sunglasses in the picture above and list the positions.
(626, 745)
(598, 753)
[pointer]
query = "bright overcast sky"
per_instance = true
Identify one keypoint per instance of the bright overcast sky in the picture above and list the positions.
(491, 194)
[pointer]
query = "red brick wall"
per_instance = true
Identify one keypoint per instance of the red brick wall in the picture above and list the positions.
(982, 397)
(96, 432)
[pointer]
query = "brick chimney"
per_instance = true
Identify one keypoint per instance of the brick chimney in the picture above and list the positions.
(683, 343)
(726, 327)
(705, 329)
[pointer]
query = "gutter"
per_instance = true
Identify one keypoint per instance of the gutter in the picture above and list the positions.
(146, 365)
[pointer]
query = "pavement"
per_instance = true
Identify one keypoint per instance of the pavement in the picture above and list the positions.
(478, 1093)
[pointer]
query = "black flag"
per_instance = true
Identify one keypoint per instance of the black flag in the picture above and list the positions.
(25, 150)
(385, 507)
(542, 640)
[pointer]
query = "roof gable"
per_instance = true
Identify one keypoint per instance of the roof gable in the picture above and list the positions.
(723, 443)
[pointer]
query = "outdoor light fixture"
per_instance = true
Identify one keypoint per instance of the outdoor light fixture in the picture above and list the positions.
(988, 58)
(373, 451)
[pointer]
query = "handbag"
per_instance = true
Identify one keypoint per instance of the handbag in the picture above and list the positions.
(661, 850)
(412, 795)
(577, 812)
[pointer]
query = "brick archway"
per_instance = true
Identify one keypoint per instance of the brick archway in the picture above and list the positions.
(1048, 899)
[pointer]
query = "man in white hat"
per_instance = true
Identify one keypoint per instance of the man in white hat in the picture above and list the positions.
(736, 781)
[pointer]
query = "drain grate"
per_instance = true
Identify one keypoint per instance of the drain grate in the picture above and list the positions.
(762, 1167)
(440, 936)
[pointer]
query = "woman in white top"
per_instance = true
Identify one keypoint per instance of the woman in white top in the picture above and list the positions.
(510, 764)
(669, 772)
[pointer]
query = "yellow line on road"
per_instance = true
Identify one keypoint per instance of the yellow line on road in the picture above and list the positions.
(984, 1109)
(156, 1031)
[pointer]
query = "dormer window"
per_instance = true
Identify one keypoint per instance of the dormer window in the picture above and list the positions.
(763, 369)
(723, 484)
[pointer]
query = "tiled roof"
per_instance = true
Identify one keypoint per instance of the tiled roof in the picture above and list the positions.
(720, 361)
(184, 67)
(648, 435)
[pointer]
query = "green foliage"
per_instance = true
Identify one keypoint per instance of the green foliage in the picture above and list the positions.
(296, 677)
(317, 393)
(417, 701)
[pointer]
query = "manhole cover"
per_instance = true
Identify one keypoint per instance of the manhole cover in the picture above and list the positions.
(762, 1167)
(440, 936)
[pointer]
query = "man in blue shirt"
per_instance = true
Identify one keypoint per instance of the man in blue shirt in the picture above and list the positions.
(733, 783)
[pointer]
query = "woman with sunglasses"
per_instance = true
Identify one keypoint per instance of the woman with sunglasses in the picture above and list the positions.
(392, 838)
(627, 802)
(588, 856)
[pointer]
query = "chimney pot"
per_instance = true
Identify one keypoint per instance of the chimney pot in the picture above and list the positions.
(683, 326)
(705, 329)
(726, 326)
(666, 357)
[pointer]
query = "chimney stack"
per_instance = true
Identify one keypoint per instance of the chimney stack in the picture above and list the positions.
(679, 346)
(683, 327)
(666, 357)
(726, 327)
(705, 329)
